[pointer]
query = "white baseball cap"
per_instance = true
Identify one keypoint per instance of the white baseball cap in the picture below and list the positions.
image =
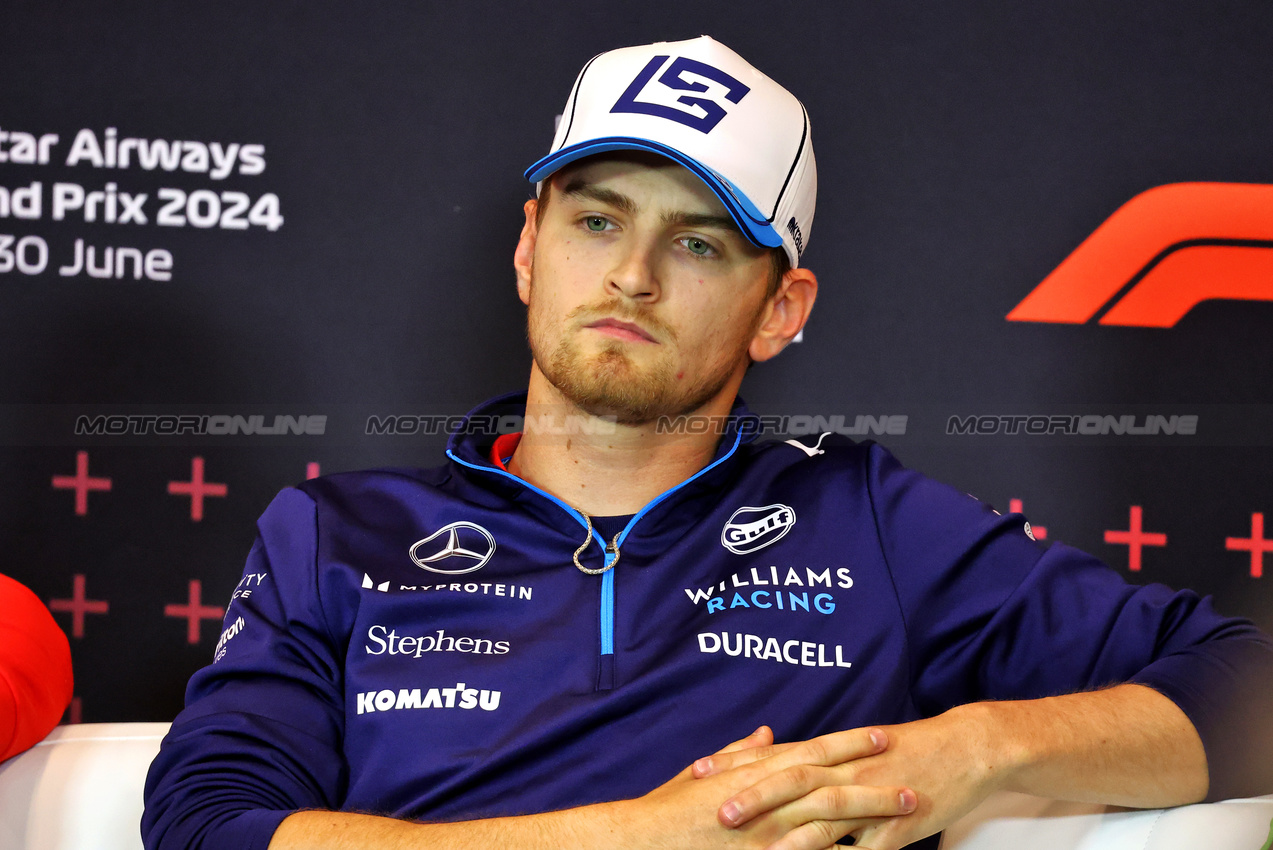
(701, 104)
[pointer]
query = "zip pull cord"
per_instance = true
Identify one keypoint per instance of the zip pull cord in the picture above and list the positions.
(613, 547)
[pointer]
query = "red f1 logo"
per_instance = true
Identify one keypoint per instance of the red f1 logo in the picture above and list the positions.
(1165, 251)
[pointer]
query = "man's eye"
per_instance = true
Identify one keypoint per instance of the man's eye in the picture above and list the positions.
(596, 223)
(697, 246)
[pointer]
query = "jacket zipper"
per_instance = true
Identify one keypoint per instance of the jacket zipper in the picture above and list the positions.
(605, 662)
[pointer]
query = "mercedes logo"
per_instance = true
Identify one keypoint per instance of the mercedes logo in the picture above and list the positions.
(467, 548)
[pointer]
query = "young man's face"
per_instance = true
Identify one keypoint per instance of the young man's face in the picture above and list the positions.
(643, 295)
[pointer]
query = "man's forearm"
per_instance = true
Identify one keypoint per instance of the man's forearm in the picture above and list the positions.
(1127, 745)
(586, 827)
(680, 814)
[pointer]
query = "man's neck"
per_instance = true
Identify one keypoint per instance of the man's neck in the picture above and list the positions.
(606, 468)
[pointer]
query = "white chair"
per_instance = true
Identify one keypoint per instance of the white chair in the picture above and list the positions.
(1009, 821)
(78, 789)
(81, 789)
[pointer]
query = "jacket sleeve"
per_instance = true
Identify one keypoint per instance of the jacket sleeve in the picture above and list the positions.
(992, 614)
(260, 736)
(35, 669)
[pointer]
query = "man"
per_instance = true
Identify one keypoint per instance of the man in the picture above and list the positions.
(532, 645)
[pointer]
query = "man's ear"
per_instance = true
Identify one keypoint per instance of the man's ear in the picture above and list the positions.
(785, 314)
(524, 256)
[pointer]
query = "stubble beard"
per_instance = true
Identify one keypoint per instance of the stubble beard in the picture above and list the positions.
(610, 382)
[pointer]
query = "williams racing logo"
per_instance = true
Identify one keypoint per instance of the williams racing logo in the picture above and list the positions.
(765, 589)
(463, 547)
(750, 529)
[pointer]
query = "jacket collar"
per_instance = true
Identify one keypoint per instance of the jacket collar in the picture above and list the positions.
(670, 513)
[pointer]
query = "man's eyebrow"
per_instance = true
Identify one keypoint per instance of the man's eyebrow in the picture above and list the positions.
(581, 188)
(687, 219)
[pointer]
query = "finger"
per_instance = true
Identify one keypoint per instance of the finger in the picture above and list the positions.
(730, 757)
(761, 738)
(819, 835)
(757, 745)
(887, 834)
(813, 794)
(764, 736)
(835, 748)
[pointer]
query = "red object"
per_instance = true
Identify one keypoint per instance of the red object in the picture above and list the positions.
(196, 488)
(194, 611)
(81, 483)
(79, 605)
(1257, 544)
(505, 445)
(35, 669)
(1135, 538)
(1163, 234)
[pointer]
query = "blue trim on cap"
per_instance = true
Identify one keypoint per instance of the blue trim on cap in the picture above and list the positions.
(753, 223)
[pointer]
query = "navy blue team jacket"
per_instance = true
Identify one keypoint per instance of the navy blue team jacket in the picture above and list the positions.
(419, 643)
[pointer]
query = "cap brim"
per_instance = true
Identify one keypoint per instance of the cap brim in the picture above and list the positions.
(750, 220)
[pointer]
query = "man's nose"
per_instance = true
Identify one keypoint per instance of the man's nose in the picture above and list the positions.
(634, 273)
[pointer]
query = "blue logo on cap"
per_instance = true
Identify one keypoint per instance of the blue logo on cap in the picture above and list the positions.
(672, 78)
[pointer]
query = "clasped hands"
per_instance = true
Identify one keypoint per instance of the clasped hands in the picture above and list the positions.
(885, 786)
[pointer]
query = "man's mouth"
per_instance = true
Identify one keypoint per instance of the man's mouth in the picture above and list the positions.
(621, 330)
